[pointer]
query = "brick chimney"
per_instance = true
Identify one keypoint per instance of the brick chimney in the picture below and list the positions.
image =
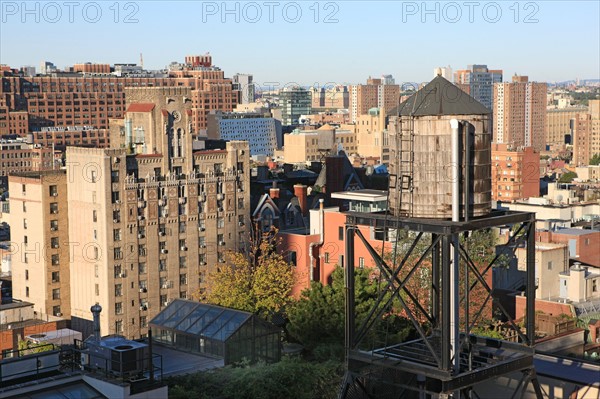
(300, 191)
(274, 191)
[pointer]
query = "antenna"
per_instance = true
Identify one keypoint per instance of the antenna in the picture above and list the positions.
(142, 60)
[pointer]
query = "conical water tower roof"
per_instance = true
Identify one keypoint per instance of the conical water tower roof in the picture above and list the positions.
(441, 97)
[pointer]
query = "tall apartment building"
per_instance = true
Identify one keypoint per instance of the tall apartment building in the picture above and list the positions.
(294, 102)
(159, 217)
(375, 94)
(20, 156)
(559, 124)
(80, 100)
(244, 84)
(520, 113)
(336, 97)
(478, 81)
(515, 173)
(372, 135)
(40, 234)
(258, 130)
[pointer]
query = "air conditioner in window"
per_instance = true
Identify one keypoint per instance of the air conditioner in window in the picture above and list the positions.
(182, 200)
(221, 243)
(202, 263)
(121, 275)
(140, 236)
(241, 224)
(54, 245)
(166, 303)
(183, 248)
(143, 289)
(53, 229)
(143, 307)
(161, 202)
(117, 201)
(598, 340)
(141, 204)
(164, 251)
(201, 228)
(161, 233)
(55, 211)
(240, 190)
(54, 194)
(203, 246)
(220, 197)
(116, 220)
(58, 314)
(115, 160)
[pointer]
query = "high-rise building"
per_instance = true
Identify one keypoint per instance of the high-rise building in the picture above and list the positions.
(515, 173)
(46, 68)
(157, 216)
(75, 99)
(260, 131)
(294, 102)
(375, 94)
(40, 232)
(520, 113)
(478, 81)
(245, 85)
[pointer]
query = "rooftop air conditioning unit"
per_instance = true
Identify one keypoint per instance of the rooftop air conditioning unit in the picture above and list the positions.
(164, 251)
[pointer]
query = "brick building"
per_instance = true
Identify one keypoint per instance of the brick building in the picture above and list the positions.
(515, 173)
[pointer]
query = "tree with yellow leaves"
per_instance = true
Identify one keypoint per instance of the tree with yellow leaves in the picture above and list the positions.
(258, 281)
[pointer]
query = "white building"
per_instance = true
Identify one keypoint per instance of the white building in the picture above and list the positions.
(246, 86)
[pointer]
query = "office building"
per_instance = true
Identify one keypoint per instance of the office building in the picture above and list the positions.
(244, 84)
(375, 94)
(294, 102)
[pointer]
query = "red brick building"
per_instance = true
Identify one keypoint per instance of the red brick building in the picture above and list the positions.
(515, 172)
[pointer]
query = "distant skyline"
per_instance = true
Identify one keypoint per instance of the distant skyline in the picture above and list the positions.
(369, 38)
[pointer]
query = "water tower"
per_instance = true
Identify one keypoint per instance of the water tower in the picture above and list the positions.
(439, 194)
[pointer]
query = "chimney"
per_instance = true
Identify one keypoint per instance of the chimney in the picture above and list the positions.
(96, 309)
(300, 191)
(274, 191)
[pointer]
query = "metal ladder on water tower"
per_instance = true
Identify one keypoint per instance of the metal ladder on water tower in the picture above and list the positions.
(405, 144)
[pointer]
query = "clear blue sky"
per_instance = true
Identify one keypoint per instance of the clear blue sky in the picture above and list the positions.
(560, 42)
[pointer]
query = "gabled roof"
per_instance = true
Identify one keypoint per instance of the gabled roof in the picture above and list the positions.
(264, 200)
(140, 107)
(441, 97)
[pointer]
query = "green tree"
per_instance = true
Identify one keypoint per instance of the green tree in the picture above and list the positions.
(595, 160)
(259, 281)
(28, 348)
(567, 177)
(317, 319)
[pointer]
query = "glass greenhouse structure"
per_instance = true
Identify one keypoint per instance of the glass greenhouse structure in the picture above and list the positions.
(230, 334)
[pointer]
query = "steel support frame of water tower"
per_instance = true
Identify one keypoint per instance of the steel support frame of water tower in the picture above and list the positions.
(424, 366)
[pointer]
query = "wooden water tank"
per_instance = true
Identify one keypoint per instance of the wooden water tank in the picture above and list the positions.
(420, 162)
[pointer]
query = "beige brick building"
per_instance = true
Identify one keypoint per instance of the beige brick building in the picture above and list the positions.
(374, 94)
(372, 135)
(559, 124)
(40, 240)
(311, 145)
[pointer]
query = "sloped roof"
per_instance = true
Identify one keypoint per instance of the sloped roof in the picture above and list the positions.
(208, 321)
(441, 97)
(140, 107)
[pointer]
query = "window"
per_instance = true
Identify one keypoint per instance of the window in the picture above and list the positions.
(182, 262)
(94, 216)
(326, 257)
(220, 239)
(162, 265)
(56, 293)
(117, 234)
(292, 258)
(24, 187)
(26, 274)
(182, 227)
(119, 326)
(25, 224)
(220, 223)
(142, 268)
(183, 279)
(117, 253)
(24, 207)
(118, 289)
(143, 321)
(119, 308)
(53, 191)
(361, 262)
(55, 259)
(56, 311)
(54, 242)
(97, 289)
(550, 265)
(27, 292)
(595, 285)
(183, 294)
(53, 207)
(341, 233)
(55, 277)
(53, 225)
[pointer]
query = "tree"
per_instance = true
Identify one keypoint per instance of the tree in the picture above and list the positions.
(258, 281)
(567, 177)
(26, 347)
(318, 318)
(595, 160)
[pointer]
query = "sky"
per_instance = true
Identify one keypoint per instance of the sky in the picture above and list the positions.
(312, 42)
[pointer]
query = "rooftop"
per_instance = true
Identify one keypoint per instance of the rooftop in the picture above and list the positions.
(441, 97)
(362, 195)
(141, 107)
